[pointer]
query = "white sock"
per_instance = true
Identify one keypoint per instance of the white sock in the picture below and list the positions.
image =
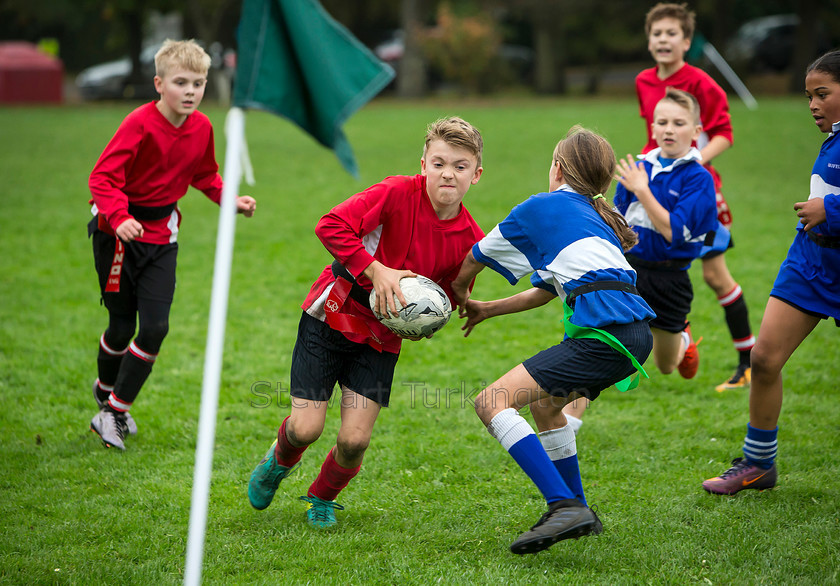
(559, 443)
(508, 427)
(574, 422)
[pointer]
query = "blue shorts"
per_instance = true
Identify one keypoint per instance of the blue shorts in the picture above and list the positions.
(323, 357)
(586, 366)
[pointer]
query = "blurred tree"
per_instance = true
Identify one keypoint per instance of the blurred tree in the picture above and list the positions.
(411, 81)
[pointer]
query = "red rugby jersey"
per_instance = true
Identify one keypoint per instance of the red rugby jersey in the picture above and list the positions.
(714, 106)
(393, 222)
(150, 162)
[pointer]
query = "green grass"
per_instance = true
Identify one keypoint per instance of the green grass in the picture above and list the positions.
(437, 499)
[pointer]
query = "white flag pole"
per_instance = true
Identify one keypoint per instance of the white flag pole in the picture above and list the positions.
(235, 129)
(712, 54)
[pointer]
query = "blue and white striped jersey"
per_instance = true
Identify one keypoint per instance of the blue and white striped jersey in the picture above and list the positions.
(687, 191)
(564, 243)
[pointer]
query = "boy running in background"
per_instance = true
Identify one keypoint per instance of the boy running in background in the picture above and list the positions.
(160, 149)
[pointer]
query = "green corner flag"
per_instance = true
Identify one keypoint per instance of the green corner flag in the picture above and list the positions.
(296, 61)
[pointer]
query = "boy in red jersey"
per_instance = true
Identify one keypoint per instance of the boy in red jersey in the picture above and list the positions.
(400, 227)
(159, 150)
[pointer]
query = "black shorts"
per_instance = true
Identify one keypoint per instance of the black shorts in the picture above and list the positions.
(586, 366)
(148, 271)
(669, 294)
(323, 357)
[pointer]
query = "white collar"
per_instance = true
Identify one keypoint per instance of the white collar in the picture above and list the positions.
(652, 157)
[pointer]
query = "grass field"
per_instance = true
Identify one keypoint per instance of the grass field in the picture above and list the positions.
(438, 500)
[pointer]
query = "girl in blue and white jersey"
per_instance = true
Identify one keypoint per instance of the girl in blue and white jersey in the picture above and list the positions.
(806, 290)
(572, 243)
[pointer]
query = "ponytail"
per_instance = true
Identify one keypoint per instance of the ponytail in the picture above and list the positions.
(588, 164)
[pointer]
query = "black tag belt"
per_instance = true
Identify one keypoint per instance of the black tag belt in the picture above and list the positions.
(600, 286)
(823, 241)
(150, 213)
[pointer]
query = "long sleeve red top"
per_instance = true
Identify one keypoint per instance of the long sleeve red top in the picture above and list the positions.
(149, 162)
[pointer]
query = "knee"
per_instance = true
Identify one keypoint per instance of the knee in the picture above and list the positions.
(764, 363)
(352, 446)
(715, 280)
(484, 407)
(119, 333)
(302, 434)
(152, 334)
(664, 366)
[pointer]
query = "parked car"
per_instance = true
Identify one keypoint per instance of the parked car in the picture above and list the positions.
(109, 81)
(767, 43)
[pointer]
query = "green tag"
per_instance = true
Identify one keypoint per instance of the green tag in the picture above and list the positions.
(574, 331)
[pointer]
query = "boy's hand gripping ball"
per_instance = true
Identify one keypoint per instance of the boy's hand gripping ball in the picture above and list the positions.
(427, 311)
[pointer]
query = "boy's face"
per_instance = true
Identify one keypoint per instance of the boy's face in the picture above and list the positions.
(181, 91)
(667, 43)
(674, 129)
(449, 173)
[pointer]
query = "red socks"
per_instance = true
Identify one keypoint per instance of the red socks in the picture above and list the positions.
(332, 479)
(285, 453)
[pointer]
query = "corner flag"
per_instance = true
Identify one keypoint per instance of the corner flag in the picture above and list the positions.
(295, 61)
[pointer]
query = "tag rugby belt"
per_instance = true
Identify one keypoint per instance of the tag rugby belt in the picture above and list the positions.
(600, 286)
(824, 241)
(357, 292)
(140, 213)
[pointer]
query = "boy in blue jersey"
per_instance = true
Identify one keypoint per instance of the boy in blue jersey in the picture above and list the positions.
(571, 241)
(669, 200)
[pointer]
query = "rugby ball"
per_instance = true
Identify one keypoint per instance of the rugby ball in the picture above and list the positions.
(427, 311)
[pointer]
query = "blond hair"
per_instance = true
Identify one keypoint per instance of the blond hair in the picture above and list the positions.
(185, 54)
(685, 100)
(680, 12)
(458, 133)
(587, 161)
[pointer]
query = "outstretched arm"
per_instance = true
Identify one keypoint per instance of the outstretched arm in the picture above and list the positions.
(461, 285)
(478, 311)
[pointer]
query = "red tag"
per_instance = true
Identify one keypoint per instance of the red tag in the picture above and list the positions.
(724, 214)
(345, 322)
(113, 284)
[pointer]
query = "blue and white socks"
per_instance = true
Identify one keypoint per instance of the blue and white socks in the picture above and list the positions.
(516, 436)
(760, 446)
(561, 447)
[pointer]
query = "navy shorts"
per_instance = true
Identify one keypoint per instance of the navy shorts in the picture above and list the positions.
(669, 294)
(586, 366)
(148, 271)
(323, 357)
